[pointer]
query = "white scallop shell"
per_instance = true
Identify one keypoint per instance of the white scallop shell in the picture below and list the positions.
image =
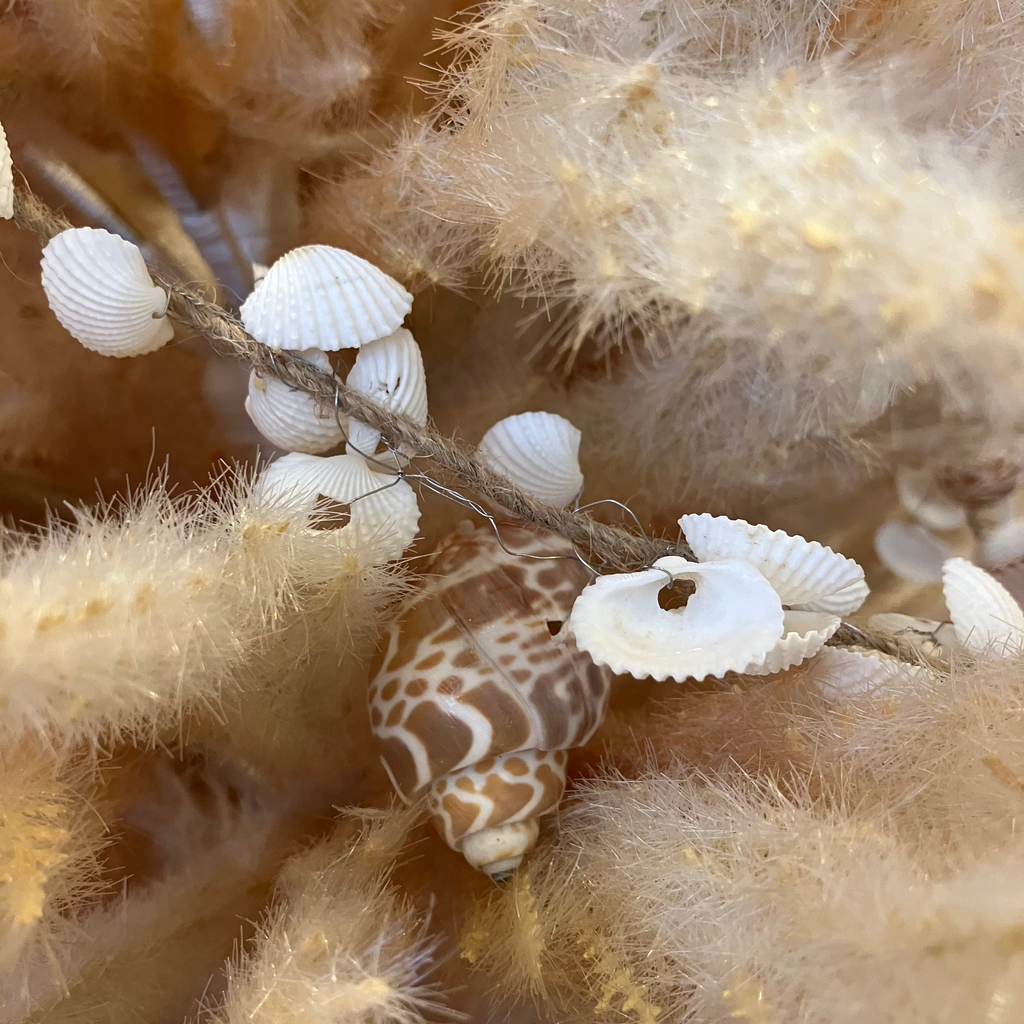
(910, 552)
(1003, 545)
(801, 571)
(384, 513)
(99, 288)
(846, 672)
(290, 419)
(922, 497)
(985, 616)
(390, 371)
(842, 602)
(803, 635)
(732, 621)
(326, 298)
(6, 178)
(537, 451)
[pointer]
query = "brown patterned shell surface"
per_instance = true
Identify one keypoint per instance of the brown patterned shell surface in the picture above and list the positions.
(470, 669)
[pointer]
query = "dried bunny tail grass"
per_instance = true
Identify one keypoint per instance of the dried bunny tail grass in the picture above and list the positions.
(340, 946)
(50, 841)
(119, 623)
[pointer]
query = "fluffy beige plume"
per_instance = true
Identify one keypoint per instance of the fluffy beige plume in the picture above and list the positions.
(861, 864)
(123, 621)
(340, 945)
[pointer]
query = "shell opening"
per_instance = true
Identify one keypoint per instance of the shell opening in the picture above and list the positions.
(498, 851)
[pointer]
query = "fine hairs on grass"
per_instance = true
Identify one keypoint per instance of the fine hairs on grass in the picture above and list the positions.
(340, 945)
(879, 882)
(119, 623)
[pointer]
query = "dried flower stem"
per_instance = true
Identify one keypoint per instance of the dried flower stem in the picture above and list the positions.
(609, 546)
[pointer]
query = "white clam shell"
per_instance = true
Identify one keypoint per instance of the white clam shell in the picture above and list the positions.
(846, 672)
(842, 602)
(384, 513)
(1003, 545)
(732, 621)
(803, 635)
(539, 452)
(921, 496)
(6, 178)
(290, 419)
(326, 298)
(801, 571)
(390, 371)
(985, 616)
(99, 288)
(910, 552)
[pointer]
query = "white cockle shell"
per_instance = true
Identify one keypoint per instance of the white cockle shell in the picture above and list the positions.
(99, 288)
(802, 572)
(985, 616)
(910, 552)
(6, 177)
(326, 298)
(1003, 545)
(290, 419)
(732, 621)
(803, 635)
(539, 453)
(390, 371)
(384, 513)
(848, 672)
(922, 497)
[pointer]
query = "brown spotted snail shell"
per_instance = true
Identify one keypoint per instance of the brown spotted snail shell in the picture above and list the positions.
(475, 699)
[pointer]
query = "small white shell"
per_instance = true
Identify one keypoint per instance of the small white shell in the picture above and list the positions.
(289, 419)
(803, 635)
(384, 513)
(390, 371)
(910, 552)
(99, 288)
(326, 298)
(922, 497)
(539, 452)
(6, 178)
(845, 672)
(801, 571)
(1003, 545)
(985, 616)
(842, 602)
(732, 621)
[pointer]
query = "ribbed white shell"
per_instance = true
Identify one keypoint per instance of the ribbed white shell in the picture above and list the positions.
(804, 634)
(801, 571)
(1003, 545)
(921, 497)
(289, 418)
(910, 552)
(732, 621)
(539, 452)
(6, 178)
(985, 616)
(390, 371)
(384, 513)
(326, 298)
(842, 602)
(99, 289)
(845, 672)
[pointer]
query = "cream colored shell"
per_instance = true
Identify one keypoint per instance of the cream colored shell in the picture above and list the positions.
(6, 178)
(326, 298)
(383, 511)
(731, 623)
(801, 571)
(539, 452)
(389, 371)
(291, 419)
(847, 672)
(986, 618)
(99, 288)
(1003, 545)
(910, 552)
(922, 497)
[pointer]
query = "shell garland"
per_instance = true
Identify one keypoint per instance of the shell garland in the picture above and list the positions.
(99, 288)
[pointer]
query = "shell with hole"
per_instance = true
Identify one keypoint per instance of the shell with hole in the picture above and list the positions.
(383, 511)
(290, 419)
(99, 288)
(326, 298)
(390, 371)
(986, 618)
(476, 691)
(730, 623)
(539, 453)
